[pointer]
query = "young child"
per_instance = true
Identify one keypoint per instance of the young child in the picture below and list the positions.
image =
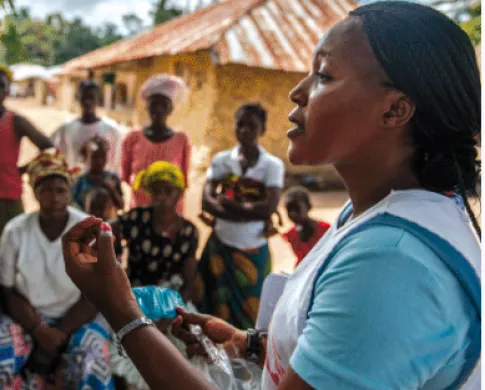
(95, 153)
(306, 232)
(99, 202)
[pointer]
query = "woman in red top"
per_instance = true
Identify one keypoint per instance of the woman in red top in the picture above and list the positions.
(13, 128)
(156, 142)
(306, 232)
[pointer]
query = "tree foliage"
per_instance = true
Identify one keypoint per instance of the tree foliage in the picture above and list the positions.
(474, 24)
(133, 24)
(163, 11)
(51, 41)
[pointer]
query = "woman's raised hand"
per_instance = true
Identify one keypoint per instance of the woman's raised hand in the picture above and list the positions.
(92, 265)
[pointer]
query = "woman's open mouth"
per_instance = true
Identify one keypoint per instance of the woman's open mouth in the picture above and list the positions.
(295, 132)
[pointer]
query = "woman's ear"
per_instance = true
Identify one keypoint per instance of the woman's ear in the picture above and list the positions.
(399, 110)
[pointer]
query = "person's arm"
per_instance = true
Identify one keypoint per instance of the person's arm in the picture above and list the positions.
(80, 314)
(116, 163)
(22, 312)
(113, 186)
(20, 309)
(189, 272)
(211, 205)
(24, 128)
(186, 161)
(190, 266)
(262, 210)
(126, 158)
(101, 278)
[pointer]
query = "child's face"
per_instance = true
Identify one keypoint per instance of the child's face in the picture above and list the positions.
(165, 195)
(297, 211)
(99, 206)
(96, 160)
(248, 129)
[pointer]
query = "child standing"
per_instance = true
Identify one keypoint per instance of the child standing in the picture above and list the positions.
(95, 153)
(307, 231)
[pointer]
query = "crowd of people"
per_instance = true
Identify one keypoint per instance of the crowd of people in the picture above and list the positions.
(78, 172)
(388, 297)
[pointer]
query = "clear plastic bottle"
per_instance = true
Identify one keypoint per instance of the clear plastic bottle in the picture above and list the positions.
(158, 302)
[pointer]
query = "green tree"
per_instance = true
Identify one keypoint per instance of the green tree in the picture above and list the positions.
(474, 24)
(108, 34)
(164, 11)
(133, 24)
(12, 48)
(38, 39)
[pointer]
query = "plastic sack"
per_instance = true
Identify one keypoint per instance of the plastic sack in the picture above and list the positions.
(158, 302)
(225, 373)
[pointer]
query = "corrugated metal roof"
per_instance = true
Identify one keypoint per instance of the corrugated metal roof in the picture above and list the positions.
(275, 34)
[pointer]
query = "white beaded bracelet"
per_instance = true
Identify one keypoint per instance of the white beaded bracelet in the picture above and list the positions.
(135, 324)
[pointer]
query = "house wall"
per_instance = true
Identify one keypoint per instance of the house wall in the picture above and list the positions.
(192, 117)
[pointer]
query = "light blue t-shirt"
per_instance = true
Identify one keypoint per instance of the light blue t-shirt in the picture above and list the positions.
(404, 299)
(385, 311)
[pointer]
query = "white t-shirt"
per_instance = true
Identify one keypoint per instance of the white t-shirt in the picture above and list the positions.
(72, 135)
(379, 303)
(35, 266)
(269, 170)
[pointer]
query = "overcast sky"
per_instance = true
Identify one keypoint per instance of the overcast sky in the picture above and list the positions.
(95, 12)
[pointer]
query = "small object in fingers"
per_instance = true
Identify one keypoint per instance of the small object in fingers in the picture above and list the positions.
(105, 227)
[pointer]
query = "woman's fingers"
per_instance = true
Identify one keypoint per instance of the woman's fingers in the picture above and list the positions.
(192, 318)
(105, 249)
(195, 350)
(77, 236)
(184, 335)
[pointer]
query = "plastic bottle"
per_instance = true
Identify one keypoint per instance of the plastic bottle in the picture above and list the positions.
(158, 302)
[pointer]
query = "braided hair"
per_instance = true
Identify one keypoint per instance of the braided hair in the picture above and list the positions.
(431, 59)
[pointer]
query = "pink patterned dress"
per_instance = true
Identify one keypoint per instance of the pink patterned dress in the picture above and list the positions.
(138, 152)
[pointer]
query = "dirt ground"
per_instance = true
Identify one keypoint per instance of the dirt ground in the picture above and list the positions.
(326, 204)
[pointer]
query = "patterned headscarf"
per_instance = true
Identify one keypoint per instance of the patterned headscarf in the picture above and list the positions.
(167, 85)
(159, 171)
(50, 162)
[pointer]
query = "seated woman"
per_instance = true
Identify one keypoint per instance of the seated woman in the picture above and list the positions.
(161, 247)
(50, 335)
(161, 243)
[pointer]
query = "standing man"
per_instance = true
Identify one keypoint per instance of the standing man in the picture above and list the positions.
(13, 127)
(71, 136)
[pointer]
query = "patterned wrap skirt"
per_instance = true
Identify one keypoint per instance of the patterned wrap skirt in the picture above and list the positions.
(85, 363)
(229, 282)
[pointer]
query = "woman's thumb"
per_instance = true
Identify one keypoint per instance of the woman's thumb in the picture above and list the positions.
(105, 248)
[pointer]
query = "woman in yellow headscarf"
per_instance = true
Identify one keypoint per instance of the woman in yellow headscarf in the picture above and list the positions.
(161, 243)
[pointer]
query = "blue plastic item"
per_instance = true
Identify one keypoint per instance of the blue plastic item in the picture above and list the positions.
(157, 302)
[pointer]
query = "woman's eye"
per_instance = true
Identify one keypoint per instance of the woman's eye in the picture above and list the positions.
(323, 77)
